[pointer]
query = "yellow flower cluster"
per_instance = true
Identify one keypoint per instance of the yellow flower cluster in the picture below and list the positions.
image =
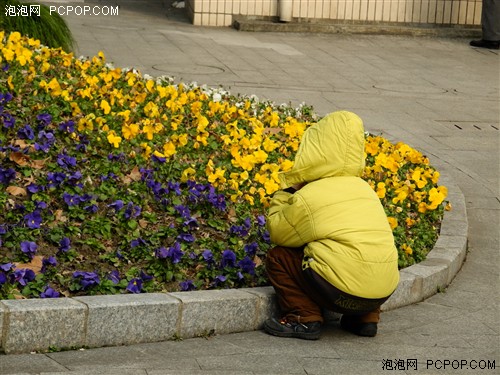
(251, 142)
(402, 178)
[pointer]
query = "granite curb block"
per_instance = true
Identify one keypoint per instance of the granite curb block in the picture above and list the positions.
(96, 321)
(251, 24)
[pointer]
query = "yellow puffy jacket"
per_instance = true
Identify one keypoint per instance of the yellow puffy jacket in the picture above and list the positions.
(336, 215)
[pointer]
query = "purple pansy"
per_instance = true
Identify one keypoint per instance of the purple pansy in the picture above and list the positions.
(29, 248)
(67, 126)
(49, 293)
(247, 265)
(132, 211)
(87, 279)
(251, 249)
(23, 276)
(187, 285)
(134, 285)
(26, 132)
(44, 119)
(186, 237)
(261, 220)
(228, 258)
(71, 199)
(114, 276)
(50, 261)
(219, 279)
(66, 161)
(116, 205)
(7, 175)
(174, 253)
(33, 220)
(64, 244)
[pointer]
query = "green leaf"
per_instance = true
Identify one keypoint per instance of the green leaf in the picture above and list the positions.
(132, 224)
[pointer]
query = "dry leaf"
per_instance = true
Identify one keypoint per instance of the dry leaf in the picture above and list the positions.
(20, 159)
(257, 261)
(143, 223)
(134, 175)
(18, 295)
(231, 215)
(24, 160)
(29, 180)
(21, 143)
(60, 217)
(35, 265)
(38, 164)
(272, 130)
(16, 191)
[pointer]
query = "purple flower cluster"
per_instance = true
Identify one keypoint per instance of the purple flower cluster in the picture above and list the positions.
(6, 118)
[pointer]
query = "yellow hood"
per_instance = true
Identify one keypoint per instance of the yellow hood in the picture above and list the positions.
(332, 147)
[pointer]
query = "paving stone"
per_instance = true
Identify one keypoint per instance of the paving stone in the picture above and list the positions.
(38, 324)
(130, 318)
(27, 364)
(216, 311)
(324, 366)
(253, 363)
(102, 371)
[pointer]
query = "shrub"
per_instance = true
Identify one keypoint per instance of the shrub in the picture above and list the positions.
(50, 29)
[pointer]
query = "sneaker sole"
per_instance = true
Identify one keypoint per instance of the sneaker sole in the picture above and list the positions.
(297, 335)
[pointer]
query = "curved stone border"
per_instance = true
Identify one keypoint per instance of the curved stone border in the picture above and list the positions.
(96, 321)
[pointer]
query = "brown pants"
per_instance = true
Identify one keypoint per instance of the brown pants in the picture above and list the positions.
(302, 294)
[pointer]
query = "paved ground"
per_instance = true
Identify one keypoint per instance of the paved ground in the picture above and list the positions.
(439, 95)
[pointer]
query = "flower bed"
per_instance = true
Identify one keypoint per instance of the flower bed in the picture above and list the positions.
(113, 182)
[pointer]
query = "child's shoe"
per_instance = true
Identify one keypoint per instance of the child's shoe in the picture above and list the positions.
(285, 328)
(353, 325)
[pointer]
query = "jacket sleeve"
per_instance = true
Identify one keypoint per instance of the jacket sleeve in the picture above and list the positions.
(289, 220)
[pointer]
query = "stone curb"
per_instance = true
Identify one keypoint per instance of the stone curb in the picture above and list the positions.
(374, 28)
(97, 321)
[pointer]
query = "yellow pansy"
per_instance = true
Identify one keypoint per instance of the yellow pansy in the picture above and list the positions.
(14, 37)
(150, 85)
(105, 107)
(381, 190)
(271, 186)
(436, 197)
(147, 149)
(286, 165)
(217, 176)
(169, 149)
(150, 129)
(259, 156)
(393, 222)
(270, 145)
(151, 110)
(114, 139)
(407, 249)
(420, 180)
(130, 131)
(158, 154)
